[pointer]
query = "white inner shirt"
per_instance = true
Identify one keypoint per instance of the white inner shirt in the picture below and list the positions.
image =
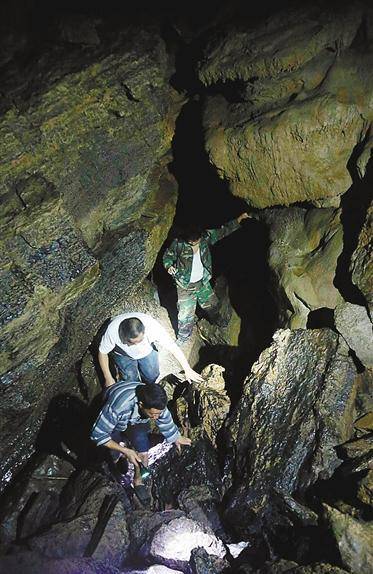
(153, 332)
(197, 268)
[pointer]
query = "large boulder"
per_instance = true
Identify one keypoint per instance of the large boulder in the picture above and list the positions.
(297, 406)
(88, 201)
(305, 246)
(35, 498)
(169, 539)
(301, 103)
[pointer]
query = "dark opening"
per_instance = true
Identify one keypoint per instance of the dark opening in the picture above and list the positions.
(241, 257)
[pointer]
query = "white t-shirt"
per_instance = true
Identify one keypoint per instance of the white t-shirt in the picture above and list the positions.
(197, 268)
(153, 332)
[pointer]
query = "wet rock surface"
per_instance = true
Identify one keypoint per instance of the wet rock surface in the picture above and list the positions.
(84, 174)
(296, 408)
(284, 484)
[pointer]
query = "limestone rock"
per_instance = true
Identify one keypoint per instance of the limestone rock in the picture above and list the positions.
(365, 423)
(32, 563)
(290, 567)
(285, 138)
(88, 201)
(353, 323)
(305, 246)
(354, 540)
(36, 497)
(208, 402)
(72, 538)
(358, 447)
(284, 42)
(202, 562)
(365, 489)
(361, 265)
(172, 543)
(201, 503)
(297, 406)
(196, 466)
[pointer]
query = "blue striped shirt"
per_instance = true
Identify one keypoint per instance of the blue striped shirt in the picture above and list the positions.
(121, 409)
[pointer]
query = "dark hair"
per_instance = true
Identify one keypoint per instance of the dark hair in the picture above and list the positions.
(130, 329)
(152, 396)
(192, 232)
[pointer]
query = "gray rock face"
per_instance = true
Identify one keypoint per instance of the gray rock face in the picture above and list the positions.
(305, 246)
(296, 407)
(353, 323)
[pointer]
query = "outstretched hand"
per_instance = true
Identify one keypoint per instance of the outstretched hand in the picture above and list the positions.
(193, 376)
(182, 440)
(243, 216)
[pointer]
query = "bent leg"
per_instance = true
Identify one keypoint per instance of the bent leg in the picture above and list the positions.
(186, 305)
(138, 436)
(207, 299)
(149, 367)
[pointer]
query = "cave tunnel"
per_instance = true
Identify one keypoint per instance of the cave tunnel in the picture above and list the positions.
(121, 123)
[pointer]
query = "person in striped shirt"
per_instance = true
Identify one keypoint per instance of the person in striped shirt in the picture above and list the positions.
(126, 415)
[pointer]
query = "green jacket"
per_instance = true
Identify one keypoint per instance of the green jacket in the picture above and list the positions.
(180, 254)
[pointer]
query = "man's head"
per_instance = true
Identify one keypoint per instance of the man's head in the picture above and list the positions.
(192, 234)
(131, 331)
(152, 400)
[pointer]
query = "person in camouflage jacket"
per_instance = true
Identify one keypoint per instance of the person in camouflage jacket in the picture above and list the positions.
(178, 260)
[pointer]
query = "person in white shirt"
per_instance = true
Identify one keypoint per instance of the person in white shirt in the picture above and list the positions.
(130, 339)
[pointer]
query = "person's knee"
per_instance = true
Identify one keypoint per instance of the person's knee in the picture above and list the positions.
(130, 374)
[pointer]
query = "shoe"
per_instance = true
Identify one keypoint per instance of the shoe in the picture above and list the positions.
(180, 341)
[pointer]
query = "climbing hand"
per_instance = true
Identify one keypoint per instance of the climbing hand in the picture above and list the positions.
(182, 440)
(243, 216)
(193, 376)
(171, 270)
(131, 456)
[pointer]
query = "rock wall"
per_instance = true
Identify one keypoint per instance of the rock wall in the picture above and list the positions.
(87, 203)
(302, 104)
(297, 406)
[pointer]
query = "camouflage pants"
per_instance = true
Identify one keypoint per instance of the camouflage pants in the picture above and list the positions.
(187, 299)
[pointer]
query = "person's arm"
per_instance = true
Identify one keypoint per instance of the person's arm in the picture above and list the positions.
(103, 359)
(130, 454)
(169, 259)
(156, 332)
(102, 429)
(215, 235)
(170, 431)
(190, 374)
